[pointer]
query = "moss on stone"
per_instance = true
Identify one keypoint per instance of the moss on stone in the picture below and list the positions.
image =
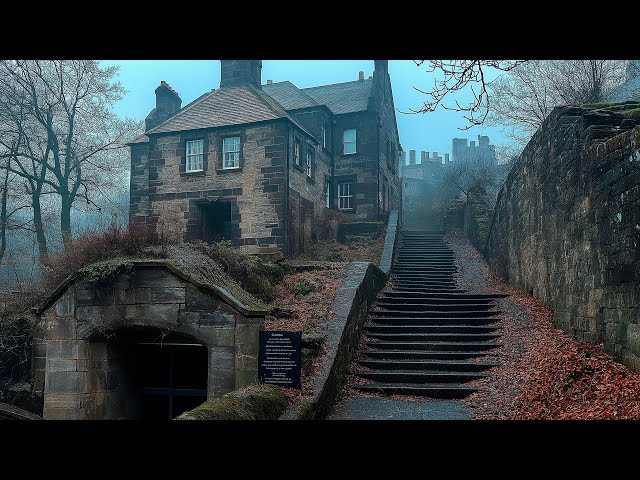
(635, 113)
(258, 402)
(105, 272)
(306, 410)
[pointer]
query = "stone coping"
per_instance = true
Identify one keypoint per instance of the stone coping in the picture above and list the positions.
(11, 412)
(386, 260)
(168, 265)
(361, 282)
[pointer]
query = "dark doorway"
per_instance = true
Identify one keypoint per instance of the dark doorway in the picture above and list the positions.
(174, 377)
(151, 374)
(215, 221)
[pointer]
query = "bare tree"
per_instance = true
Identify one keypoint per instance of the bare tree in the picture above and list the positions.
(523, 97)
(455, 76)
(69, 129)
(11, 204)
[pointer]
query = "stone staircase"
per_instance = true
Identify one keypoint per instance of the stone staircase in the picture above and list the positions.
(425, 336)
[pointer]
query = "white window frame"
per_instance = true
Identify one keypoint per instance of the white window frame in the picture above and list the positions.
(346, 142)
(345, 197)
(230, 153)
(194, 161)
(324, 136)
(327, 193)
(309, 161)
(296, 153)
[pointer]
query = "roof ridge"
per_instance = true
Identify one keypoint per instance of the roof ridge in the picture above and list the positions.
(180, 112)
(334, 84)
(286, 115)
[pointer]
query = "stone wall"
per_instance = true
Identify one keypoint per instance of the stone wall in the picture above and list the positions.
(477, 217)
(566, 227)
(88, 369)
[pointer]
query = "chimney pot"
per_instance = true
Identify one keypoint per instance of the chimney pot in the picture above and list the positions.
(269, 82)
(361, 75)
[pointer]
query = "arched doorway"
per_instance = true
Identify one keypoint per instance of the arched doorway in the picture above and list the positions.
(152, 374)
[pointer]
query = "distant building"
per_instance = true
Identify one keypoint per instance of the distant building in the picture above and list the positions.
(483, 151)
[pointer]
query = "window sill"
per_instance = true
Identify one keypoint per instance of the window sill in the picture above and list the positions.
(348, 154)
(199, 173)
(228, 170)
(347, 210)
(298, 167)
(309, 179)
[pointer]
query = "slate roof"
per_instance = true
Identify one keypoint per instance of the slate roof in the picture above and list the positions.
(239, 105)
(139, 139)
(225, 106)
(288, 95)
(338, 97)
(343, 97)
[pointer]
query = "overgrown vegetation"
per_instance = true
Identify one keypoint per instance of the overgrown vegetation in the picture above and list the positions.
(254, 275)
(259, 402)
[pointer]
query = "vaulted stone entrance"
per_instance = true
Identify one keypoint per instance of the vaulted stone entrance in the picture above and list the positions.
(153, 343)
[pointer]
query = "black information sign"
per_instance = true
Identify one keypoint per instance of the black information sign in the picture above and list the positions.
(279, 358)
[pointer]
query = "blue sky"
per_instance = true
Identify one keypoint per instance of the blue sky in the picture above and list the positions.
(191, 78)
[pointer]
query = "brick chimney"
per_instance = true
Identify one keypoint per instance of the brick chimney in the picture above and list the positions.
(361, 75)
(236, 73)
(168, 102)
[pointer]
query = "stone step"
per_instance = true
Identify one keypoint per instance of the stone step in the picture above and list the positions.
(431, 391)
(423, 354)
(452, 297)
(460, 294)
(440, 307)
(431, 313)
(434, 346)
(422, 321)
(378, 328)
(410, 376)
(433, 337)
(427, 365)
(408, 286)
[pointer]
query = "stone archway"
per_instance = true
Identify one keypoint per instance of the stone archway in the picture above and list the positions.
(145, 373)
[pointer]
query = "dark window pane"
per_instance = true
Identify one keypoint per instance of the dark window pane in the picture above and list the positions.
(190, 368)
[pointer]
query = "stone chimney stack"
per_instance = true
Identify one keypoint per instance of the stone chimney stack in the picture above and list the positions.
(168, 102)
(361, 76)
(269, 82)
(238, 73)
(412, 157)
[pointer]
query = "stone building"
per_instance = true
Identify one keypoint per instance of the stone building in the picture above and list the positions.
(256, 163)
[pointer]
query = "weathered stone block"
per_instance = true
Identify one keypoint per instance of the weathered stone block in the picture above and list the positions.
(221, 357)
(66, 382)
(54, 364)
(152, 314)
(168, 295)
(196, 299)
